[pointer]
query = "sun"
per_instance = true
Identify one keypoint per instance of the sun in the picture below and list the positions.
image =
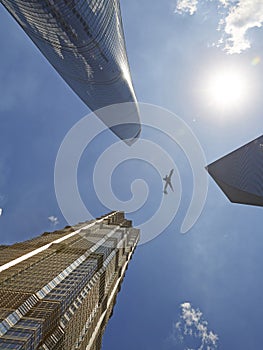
(227, 89)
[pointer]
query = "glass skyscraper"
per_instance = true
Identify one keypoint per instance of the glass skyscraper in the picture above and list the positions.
(84, 42)
(240, 173)
(58, 290)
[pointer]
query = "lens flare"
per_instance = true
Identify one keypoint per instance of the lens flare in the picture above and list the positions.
(227, 89)
(256, 60)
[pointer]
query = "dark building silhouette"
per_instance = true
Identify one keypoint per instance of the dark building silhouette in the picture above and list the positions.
(58, 290)
(84, 42)
(240, 173)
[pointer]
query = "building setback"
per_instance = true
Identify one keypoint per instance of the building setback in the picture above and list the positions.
(58, 290)
(240, 173)
(84, 42)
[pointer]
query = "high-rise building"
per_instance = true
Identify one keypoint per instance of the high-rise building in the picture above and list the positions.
(58, 290)
(240, 173)
(84, 42)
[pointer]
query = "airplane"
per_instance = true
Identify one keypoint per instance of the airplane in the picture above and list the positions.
(167, 180)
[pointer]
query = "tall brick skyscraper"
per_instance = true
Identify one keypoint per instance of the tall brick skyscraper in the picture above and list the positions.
(57, 291)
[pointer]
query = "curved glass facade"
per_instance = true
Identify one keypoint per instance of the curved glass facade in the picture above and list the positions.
(84, 42)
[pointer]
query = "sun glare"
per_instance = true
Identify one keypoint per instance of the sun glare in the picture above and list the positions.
(227, 89)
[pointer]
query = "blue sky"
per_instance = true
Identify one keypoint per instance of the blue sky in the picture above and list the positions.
(214, 269)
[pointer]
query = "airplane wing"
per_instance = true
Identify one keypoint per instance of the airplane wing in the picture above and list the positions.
(171, 186)
(171, 173)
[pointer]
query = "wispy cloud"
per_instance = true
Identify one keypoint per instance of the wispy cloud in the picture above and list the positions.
(237, 17)
(53, 219)
(186, 6)
(191, 326)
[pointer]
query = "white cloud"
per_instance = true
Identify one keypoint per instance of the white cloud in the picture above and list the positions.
(53, 219)
(1, 211)
(187, 6)
(192, 326)
(224, 2)
(237, 17)
(245, 15)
